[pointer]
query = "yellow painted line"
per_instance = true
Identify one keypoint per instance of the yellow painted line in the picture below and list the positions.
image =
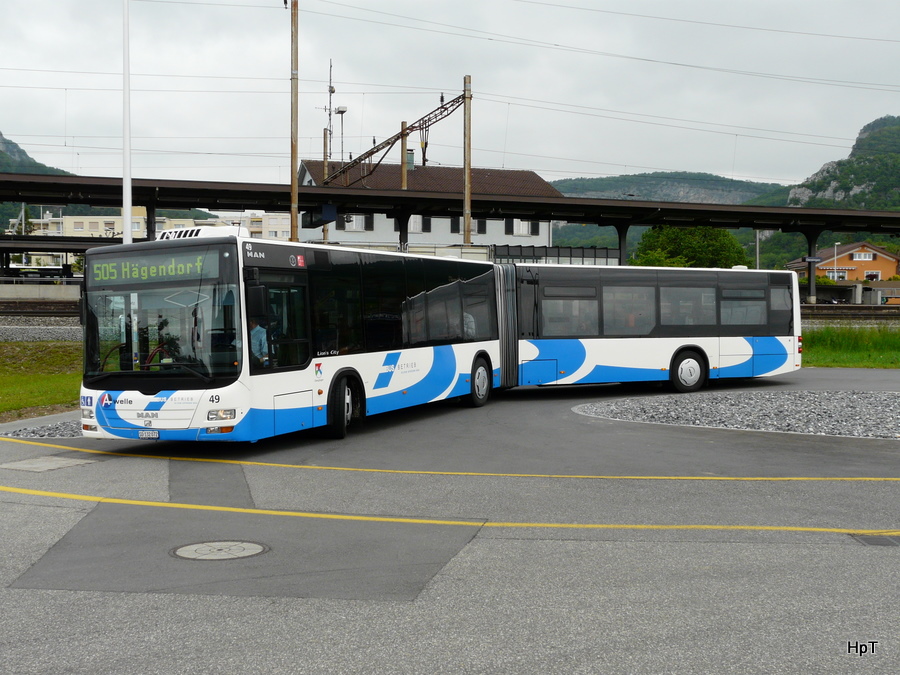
(434, 521)
(311, 467)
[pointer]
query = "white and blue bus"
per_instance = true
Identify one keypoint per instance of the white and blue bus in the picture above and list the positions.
(213, 335)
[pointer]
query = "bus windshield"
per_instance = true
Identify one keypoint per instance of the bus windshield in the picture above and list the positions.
(163, 313)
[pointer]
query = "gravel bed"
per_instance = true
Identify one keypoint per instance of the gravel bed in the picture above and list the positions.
(40, 334)
(39, 328)
(858, 414)
(67, 429)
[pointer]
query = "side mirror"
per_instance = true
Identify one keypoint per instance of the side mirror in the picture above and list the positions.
(82, 305)
(257, 301)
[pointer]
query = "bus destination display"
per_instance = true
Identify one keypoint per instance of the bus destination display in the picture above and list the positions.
(176, 267)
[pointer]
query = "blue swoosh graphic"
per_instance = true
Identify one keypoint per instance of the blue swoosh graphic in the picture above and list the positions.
(442, 374)
(157, 405)
(769, 354)
(568, 355)
(384, 378)
(608, 374)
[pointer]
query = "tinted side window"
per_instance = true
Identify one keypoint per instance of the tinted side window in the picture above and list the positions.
(629, 310)
(744, 307)
(572, 311)
(443, 304)
(780, 310)
(479, 303)
(687, 306)
(384, 291)
(337, 305)
(288, 335)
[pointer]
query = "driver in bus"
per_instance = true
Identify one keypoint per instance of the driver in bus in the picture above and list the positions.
(259, 348)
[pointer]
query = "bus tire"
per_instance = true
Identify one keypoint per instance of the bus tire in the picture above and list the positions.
(340, 408)
(480, 390)
(688, 372)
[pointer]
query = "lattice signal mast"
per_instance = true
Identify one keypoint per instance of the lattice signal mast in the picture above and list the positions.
(421, 125)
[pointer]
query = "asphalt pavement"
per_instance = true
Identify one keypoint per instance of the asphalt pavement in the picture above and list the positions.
(521, 537)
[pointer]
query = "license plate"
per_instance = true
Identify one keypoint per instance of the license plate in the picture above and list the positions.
(148, 434)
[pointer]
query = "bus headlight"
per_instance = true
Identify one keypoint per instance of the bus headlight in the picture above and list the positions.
(219, 415)
(87, 413)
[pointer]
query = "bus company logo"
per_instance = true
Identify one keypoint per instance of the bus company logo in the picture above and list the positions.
(106, 400)
(297, 261)
(318, 368)
(390, 366)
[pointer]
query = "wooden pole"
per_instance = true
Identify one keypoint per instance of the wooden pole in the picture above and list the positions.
(467, 161)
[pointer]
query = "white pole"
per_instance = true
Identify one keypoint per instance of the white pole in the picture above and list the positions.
(126, 131)
(295, 124)
(836, 244)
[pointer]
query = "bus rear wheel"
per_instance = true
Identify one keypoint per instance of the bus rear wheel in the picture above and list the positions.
(688, 372)
(481, 384)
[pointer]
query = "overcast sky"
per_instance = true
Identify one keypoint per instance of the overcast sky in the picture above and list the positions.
(763, 90)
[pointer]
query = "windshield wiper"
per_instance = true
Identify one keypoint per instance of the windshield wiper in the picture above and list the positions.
(91, 379)
(194, 371)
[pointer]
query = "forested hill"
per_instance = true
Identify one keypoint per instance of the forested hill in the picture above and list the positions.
(678, 186)
(868, 179)
(14, 159)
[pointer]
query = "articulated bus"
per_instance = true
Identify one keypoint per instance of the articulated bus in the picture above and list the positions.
(213, 335)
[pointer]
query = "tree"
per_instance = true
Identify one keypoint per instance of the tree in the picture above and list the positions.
(667, 246)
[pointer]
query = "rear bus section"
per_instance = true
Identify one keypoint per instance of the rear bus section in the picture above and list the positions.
(579, 325)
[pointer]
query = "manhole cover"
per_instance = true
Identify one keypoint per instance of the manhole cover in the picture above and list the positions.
(220, 550)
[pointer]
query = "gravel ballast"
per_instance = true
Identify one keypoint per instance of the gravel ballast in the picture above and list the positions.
(858, 414)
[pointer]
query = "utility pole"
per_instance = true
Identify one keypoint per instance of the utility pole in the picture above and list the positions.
(467, 160)
(295, 66)
(403, 149)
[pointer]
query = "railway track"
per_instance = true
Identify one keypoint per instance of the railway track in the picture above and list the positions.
(38, 308)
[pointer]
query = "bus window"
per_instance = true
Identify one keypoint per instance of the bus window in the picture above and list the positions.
(570, 312)
(287, 330)
(384, 290)
(445, 320)
(415, 330)
(629, 310)
(442, 300)
(744, 307)
(780, 310)
(687, 306)
(478, 304)
(337, 306)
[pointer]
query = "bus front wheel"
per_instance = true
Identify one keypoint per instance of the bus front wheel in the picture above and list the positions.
(688, 372)
(340, 409)
(481, 383)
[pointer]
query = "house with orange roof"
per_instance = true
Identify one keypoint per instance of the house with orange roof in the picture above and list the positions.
(859, 261)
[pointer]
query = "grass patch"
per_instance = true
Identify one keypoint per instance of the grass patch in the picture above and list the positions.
(39, 374)
(847, 347)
